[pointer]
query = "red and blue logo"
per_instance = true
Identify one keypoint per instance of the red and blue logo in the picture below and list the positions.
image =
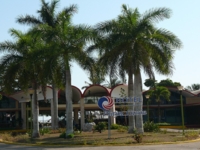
(105, 103)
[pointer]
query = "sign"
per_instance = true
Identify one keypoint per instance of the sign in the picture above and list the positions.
(106, 103)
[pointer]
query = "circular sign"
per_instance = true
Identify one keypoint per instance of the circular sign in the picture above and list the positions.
(105, 103)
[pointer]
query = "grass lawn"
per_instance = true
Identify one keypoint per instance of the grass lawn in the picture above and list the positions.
(96, 138)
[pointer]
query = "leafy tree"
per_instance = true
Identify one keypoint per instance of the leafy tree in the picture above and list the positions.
(131, 42)
(168, 83)
(193, 87)
(160, 93)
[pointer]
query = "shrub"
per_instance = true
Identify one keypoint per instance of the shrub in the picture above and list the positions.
(62, 135)
(100, 126)
(115, 126)
(44, 130)
(70, 135)
(151, 127)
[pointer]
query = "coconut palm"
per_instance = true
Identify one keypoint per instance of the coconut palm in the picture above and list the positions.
(18, 64)
(160, 94)
(131, 43)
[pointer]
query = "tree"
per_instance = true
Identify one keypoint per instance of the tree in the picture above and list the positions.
(193, 87)
(47, 15)
(18, 64)
(132, 42)
(160, 93)
(69, 42)
(168, 83)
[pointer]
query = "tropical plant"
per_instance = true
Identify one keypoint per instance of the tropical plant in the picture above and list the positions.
(48, 16)
(18, 64)
(132, 42)
(193, 87)
(160, 93)
(68, 43)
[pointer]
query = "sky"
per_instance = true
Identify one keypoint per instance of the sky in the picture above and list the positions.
(184, 23)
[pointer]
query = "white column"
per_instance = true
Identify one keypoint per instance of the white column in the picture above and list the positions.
(82, 105)
(23, 114)
(113, 119)
(52, 114)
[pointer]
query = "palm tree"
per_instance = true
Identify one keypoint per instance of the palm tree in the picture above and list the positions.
(132, 42)
(193, 87)
(49, 17)
(96, 73)
(19, 64)
(160, 93)
(69, 43)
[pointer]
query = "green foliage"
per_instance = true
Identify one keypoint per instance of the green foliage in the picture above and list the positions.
(168, 83)
(100, 126)
(115, 126)
(70, 135)
(120, 128)
(62, 135)
(150, 83)
(44, 130)
(151, 127)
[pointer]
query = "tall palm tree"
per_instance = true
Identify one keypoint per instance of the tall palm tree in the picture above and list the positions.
(160, 93)
(19, 64)
(132, 42)
(69, 42)
(48, 16)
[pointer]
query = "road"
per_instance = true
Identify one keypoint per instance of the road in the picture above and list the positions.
(180, 146)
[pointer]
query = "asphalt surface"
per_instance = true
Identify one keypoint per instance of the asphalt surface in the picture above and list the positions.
(179, 146)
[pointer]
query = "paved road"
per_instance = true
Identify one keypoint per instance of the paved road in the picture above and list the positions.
(182, 146)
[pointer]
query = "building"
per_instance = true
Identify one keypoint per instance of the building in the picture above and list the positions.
(15, 109)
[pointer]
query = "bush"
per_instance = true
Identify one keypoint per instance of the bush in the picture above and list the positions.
(100, 126)
(115, 126)
(151, 127)
(70, 135)
(63, 135)
(44, 130)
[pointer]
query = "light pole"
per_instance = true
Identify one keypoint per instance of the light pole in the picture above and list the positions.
(31, 95)
(180, 88)
(147, 97)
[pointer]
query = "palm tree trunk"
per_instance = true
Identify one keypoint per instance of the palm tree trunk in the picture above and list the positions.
(69, 109)
(137, 90)
(131, 127)
(55, 107)
(35, 112)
